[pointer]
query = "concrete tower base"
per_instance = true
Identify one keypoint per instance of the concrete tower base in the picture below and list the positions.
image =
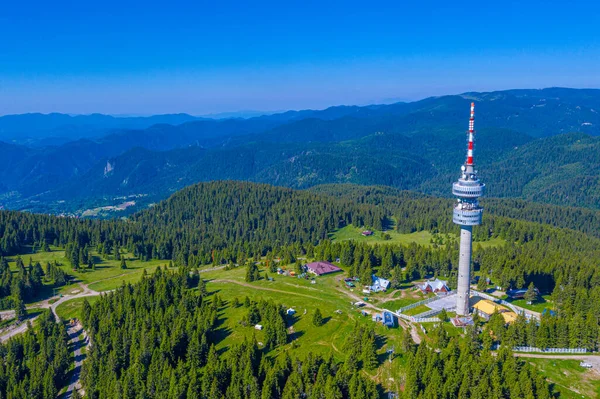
(464, 271)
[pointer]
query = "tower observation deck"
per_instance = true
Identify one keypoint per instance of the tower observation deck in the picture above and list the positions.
(467, 213)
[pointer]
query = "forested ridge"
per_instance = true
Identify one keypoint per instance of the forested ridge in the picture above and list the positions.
(198, 219)
(413, 205)
(233, 223)
(247, 217)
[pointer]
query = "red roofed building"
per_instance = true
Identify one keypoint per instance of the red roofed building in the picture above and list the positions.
(437, 286)
(322, 267)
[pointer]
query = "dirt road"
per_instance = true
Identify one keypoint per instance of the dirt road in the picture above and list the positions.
(16, 329)
(77, 344)
(22, 326)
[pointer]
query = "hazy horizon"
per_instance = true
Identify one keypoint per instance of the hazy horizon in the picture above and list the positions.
(249, 113)
(199, 59)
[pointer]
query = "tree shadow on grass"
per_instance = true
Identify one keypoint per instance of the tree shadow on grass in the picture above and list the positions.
(44, 292)
(98, 260)
(295, 335)
(380, 341)
(291, 320)
(219, 334)
(32, 313)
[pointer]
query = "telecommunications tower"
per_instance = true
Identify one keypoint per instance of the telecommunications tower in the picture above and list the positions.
(467, 213)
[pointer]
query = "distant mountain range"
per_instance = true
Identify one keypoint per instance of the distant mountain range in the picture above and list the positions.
(532, 144)
(31, 128)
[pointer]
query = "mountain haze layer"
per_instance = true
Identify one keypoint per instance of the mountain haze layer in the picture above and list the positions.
(533, 144)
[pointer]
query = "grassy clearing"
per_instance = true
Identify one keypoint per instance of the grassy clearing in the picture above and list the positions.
(120, 279)
(354, 233)
(108, 269)
(424, 238)
(492, 242)
(396, 304)
(328, 294)
(107, 276)
(72, 309)
(542, 303)
(42, 257)
(105, 268)
(415, 311)
(570, 380)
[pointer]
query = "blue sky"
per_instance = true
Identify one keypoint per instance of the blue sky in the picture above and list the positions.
(204, 57)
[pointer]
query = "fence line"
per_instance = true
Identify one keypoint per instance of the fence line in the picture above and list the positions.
(404, 316)
(426, 319)
(548, 350)
(428, 313)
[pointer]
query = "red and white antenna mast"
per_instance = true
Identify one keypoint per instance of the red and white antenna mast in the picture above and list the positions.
(471, 136)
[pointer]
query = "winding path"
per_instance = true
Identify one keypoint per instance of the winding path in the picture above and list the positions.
(86, 292)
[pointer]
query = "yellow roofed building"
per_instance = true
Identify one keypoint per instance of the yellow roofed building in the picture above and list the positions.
(486, 309)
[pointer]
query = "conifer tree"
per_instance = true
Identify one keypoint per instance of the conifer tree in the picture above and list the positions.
(531, 294)
(443, 315)
(482, 284)
(368, 349)
(20, 310)
(252, 273)
(317, 319)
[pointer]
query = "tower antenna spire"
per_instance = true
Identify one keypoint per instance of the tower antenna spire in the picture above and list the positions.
(471, 136)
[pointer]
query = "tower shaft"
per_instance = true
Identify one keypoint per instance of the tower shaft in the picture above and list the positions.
(463, 290)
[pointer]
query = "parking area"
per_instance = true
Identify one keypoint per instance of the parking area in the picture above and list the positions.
(445, 302)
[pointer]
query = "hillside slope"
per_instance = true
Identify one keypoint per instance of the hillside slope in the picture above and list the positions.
(562, 170)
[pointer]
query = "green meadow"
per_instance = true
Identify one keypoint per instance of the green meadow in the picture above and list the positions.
(569, 378)
(107, 275)
(424, 237)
